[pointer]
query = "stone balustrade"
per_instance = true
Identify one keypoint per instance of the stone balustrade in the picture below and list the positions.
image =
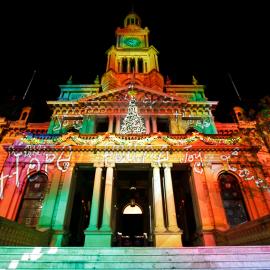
(255, 232)
(14, 234)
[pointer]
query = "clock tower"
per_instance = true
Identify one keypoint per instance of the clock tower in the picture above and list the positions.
(132, 55)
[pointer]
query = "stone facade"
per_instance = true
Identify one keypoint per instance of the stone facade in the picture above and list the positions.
(190, 178)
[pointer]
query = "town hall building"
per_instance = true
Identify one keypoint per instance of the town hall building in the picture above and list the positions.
(134, 160)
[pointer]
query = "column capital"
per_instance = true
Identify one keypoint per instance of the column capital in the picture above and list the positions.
(156, 165)
(99, 164)
(71, 166)
(109, 164)
(167, 164)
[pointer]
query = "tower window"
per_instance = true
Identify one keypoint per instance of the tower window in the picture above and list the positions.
(163, 124)
(140, 65)
(191, 130)
(132, 64)
(102, 124)
(124, 65)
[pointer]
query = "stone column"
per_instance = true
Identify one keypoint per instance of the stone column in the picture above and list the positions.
(154, 123)
(110, 127)
(147, 124)
(117, 128)
(95, 197)
(158, 204)
(163, 237)
(136, 65)
(120, 66)
(128, 65)
(106, 216)
(91, 233)
(105, 234)
(172, 222)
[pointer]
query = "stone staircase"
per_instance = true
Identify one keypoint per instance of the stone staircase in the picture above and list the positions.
(225, 257)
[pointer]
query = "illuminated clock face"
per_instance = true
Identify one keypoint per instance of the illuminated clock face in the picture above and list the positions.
(132, 42)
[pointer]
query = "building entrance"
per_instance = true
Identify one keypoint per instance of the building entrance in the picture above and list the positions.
(79, 221)
(184, 206)
(132, 203)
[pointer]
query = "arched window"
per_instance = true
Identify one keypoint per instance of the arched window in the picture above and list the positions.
(72, 129)
(31, 203)
(124, 65)
(233, 200)
(191, 130)
(140, 65)
(132, 210)
(132, 64)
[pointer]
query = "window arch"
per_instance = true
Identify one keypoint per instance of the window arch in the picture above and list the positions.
(72, 129)
(232, 198)
(31, 203)
(190, 130)
(131, 209)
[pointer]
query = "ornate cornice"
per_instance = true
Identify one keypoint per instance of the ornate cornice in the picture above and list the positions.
(115, 142)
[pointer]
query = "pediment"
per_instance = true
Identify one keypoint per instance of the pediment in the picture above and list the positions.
(142, 95)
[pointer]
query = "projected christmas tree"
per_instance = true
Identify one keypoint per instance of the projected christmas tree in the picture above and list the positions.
(133, 123)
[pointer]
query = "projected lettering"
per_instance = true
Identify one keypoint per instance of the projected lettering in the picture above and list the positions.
(32, 162)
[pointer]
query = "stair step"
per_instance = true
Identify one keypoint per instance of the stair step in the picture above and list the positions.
(31, 258)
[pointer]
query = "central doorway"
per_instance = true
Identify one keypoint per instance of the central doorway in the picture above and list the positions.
(82, 191)
(132, 203)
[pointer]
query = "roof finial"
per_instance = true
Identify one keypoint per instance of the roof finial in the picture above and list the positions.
(194, 80)
(168, 80)
(69, 81)
(96, 81)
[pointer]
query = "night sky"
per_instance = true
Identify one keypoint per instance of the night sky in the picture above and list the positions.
(206, 40)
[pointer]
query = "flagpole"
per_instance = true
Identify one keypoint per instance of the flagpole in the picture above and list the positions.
(234, 86)
(34, 73)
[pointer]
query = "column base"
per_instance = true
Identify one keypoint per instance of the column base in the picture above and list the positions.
(59, 238)
(168, 239)
(97, 239)
(208, 238)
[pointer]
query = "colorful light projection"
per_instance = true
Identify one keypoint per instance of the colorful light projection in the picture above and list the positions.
(133, 122)
(22, 163)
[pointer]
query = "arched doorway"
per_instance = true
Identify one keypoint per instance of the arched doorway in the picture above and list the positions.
(131, 206)
(132, 225)
(32, 200)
